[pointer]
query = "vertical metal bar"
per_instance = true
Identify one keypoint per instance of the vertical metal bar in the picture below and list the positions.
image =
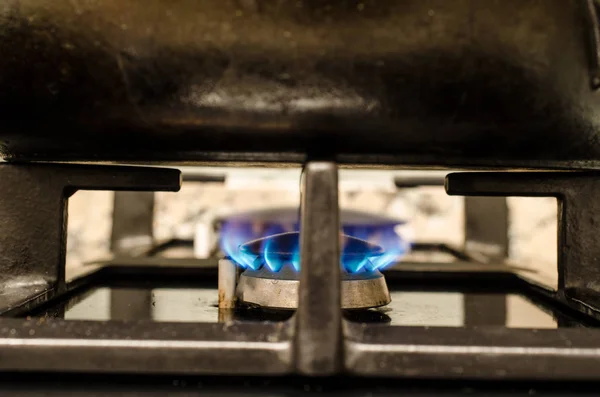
(227, 283)
(228, 275)
(132, 232)
(486, 227)
(318, 336)
(578, 230)
(133, 216)
(33, 220)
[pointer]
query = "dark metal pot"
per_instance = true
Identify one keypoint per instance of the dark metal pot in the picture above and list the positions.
(438, 83)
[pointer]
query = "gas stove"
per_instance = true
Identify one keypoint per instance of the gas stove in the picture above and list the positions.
(315, 302)
(120, 96)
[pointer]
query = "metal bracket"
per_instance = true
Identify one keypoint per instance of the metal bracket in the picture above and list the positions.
(33, 220)
(578, 223)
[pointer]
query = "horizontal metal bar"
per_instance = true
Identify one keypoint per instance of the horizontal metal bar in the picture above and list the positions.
(264, 349)
(484, 353)
(440, 247)
(157, 261)
(143, 346)
(162, 246)
(189, 176)
(90, 177)
(403, 182)
(520, 184)
(454, 267)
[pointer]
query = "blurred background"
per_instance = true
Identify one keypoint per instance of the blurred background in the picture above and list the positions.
(209, 194)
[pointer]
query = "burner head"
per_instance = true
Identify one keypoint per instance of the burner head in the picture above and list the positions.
(280, 290)
(272, 279)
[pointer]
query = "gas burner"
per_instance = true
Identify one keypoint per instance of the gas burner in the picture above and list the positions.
(274, 278)
(280, 290)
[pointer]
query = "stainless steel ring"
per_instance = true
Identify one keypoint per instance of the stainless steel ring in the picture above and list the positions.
(279, 293)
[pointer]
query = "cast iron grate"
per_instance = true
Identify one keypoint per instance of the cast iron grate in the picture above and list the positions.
(317, 340)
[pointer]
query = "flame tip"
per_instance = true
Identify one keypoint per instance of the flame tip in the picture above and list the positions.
(239, 242)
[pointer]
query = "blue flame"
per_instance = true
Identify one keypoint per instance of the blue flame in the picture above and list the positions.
(353, 260)
(275, 259)
(385, 236)
(234, 234)
(296, 260)
(272, 258)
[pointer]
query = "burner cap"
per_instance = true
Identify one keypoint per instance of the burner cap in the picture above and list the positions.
(280, 290)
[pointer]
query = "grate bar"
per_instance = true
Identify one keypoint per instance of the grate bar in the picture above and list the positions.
(492, 353)
(144, 347)
(318, 338)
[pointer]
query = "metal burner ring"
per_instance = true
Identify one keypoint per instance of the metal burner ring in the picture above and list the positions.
(360, 292)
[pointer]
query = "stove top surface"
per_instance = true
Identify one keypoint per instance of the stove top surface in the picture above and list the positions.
(431, 303)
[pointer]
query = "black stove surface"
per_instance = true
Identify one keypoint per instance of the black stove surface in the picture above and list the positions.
(86, 385)
(424, 302)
